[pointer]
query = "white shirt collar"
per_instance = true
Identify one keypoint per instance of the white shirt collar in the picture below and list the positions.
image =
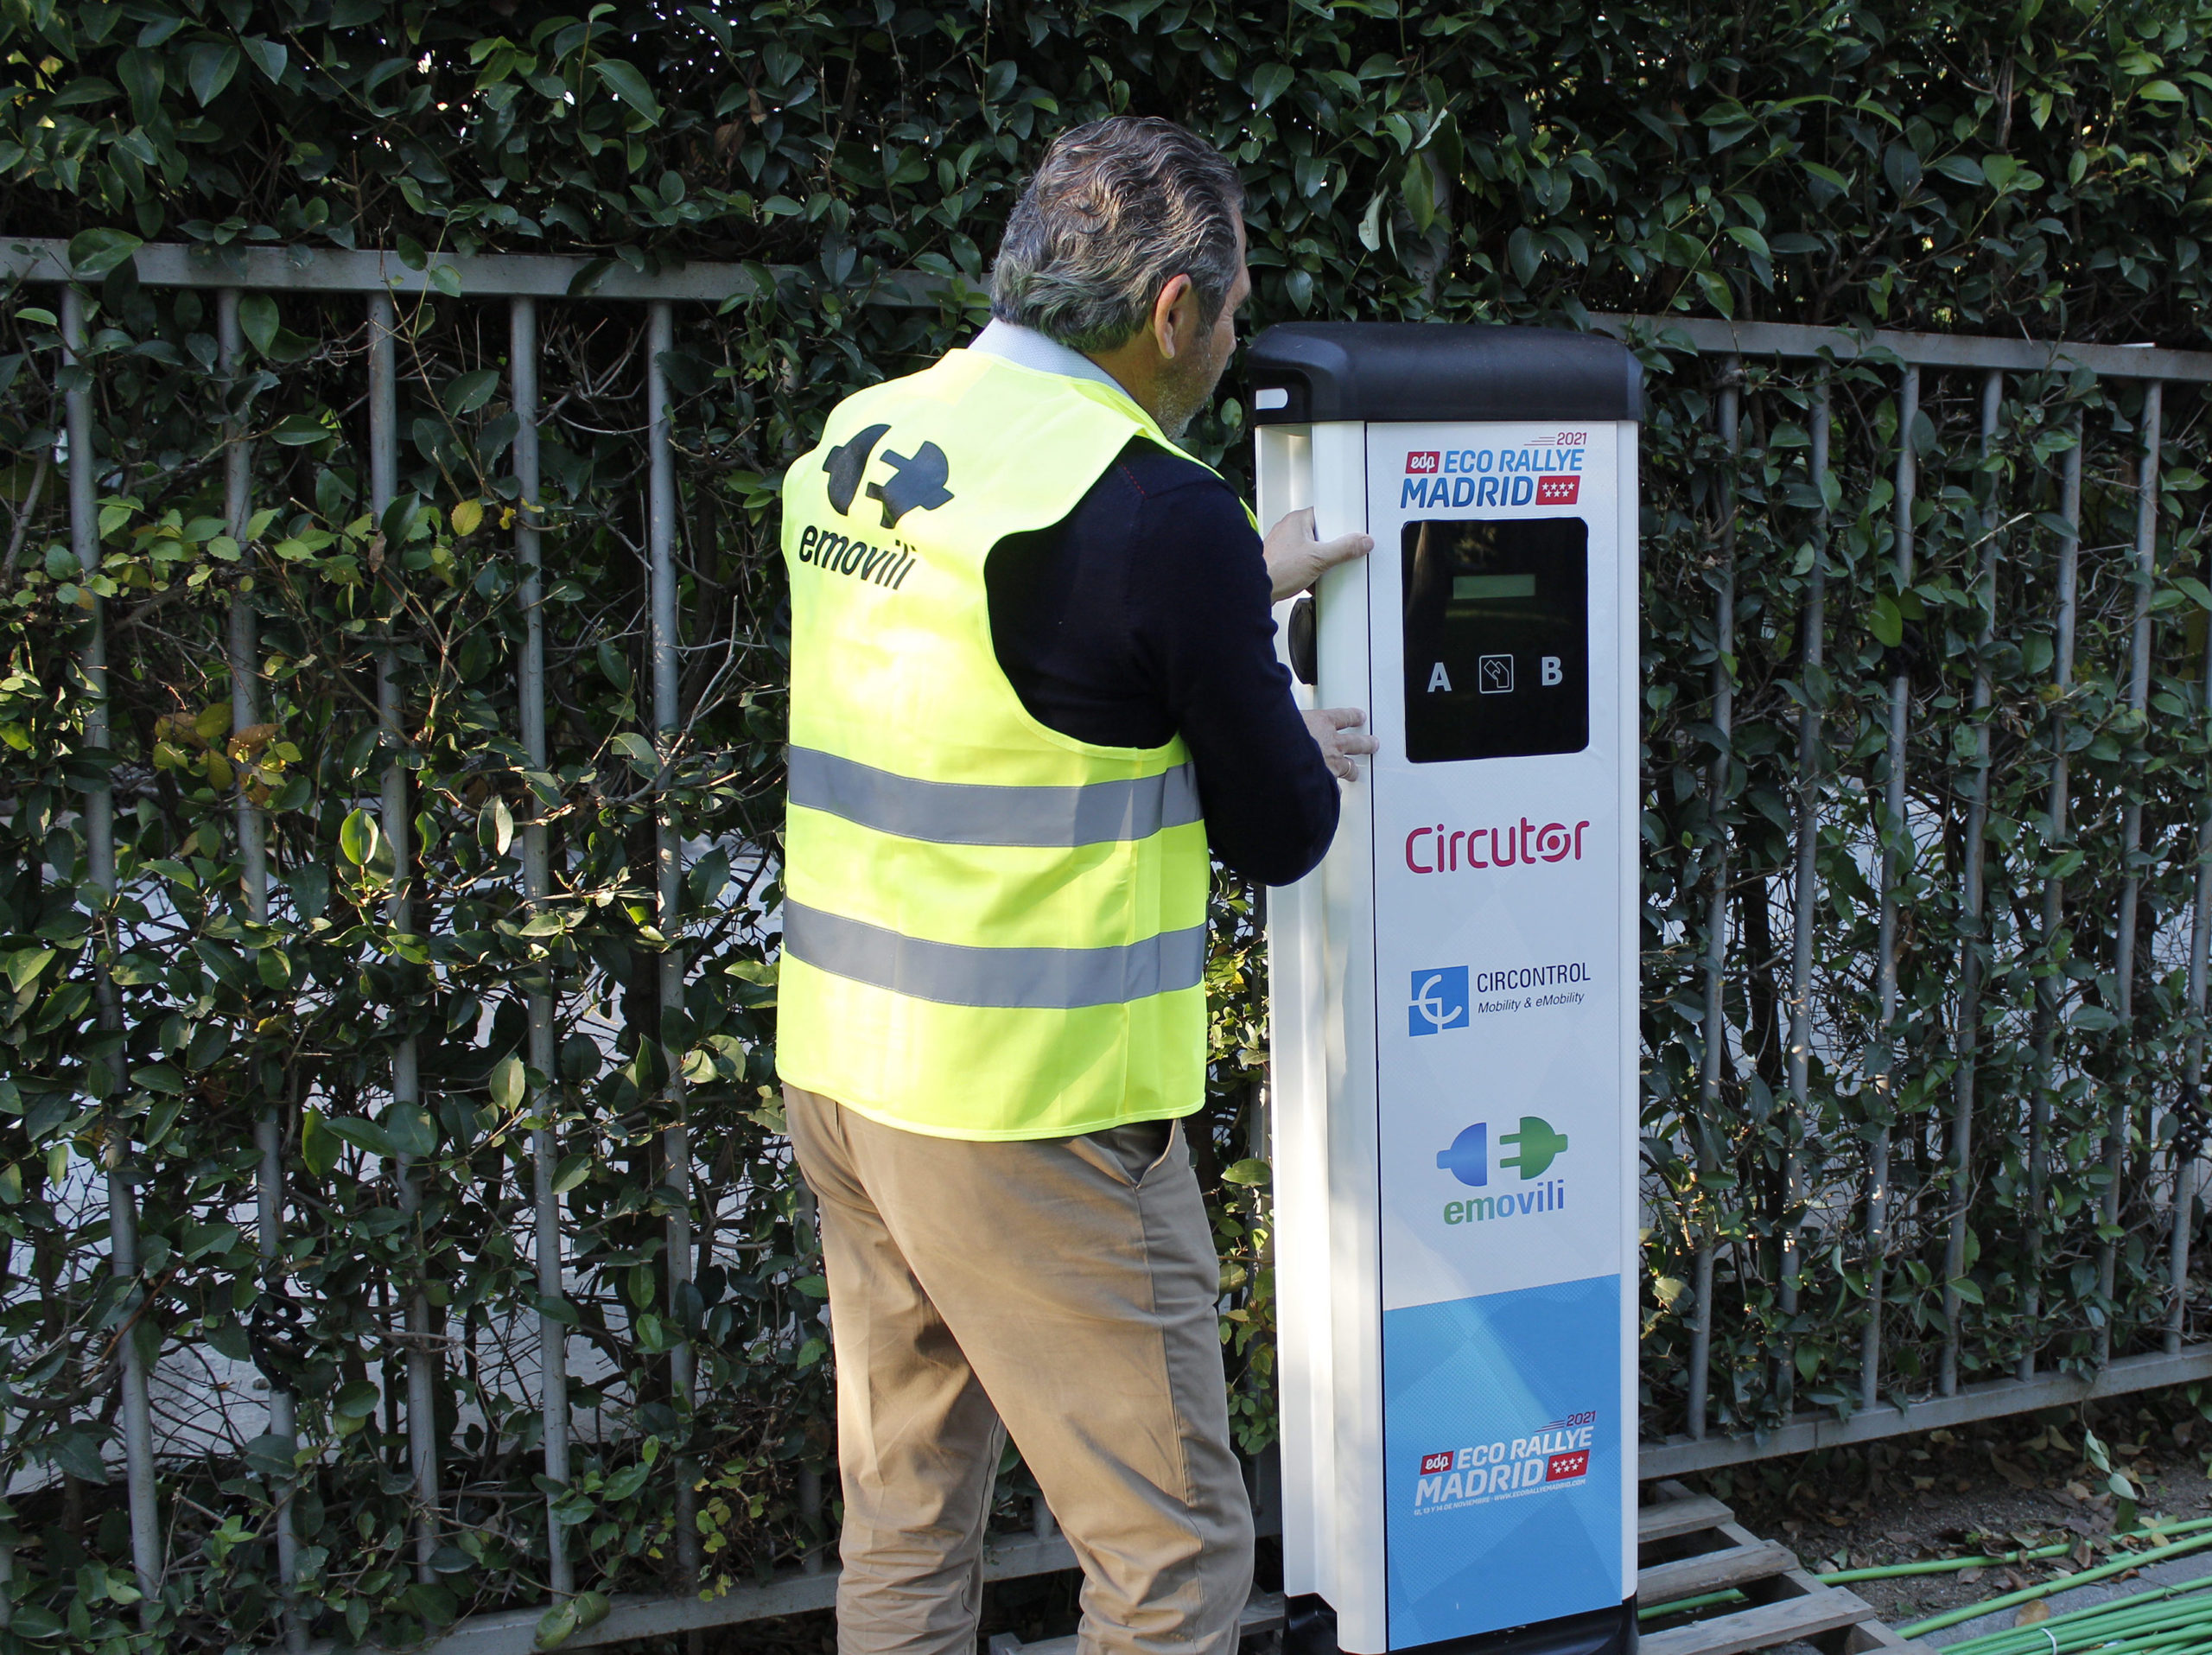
(1027, 348)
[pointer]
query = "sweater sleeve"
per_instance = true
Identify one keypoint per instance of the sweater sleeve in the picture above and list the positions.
(1203, 630)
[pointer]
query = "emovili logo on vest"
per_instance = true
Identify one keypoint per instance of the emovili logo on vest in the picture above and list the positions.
(917, 483)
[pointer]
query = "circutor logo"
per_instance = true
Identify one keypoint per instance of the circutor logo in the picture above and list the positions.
(1438, 849)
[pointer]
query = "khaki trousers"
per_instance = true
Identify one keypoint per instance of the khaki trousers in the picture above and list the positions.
(1062, 1290)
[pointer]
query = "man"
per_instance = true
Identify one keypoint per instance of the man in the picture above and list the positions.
(1033, 678)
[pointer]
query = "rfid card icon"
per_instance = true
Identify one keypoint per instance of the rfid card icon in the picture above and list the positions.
(1494, 675)
(1440, 1000)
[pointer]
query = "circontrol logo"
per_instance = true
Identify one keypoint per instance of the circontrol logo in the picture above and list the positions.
(1440, 1000)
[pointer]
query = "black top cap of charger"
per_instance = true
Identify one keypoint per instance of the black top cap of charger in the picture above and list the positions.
(1302, 373)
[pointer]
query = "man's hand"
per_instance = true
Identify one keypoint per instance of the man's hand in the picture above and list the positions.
(1296, 560)
(1336, 731)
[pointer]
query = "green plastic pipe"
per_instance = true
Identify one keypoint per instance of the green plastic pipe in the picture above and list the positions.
(2090, 1630)
(2098, 1632)
(1947, 1565)
(2122, 1613)
(2082, 1628)
(2064, 1582)
(1681, 1606)
(1943, 1565)
(2139, 1610)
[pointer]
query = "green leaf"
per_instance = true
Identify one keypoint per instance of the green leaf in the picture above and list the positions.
(572, 1171)
(358, 837)
(268, 56)
(25, 963)
(208, 68)
(1886, 622)
(93, 253)
(318, 1146)
(1421, 202)
(1251, 1172)
(2160, 91)
(258, 319)
(411, 1130)
(364, 1135)
(639, 752)
(565, 1620)
(1746, 236)
(1269, 82)
(625, 83)
(470, 391)
(509, 1081)
(37, 1624)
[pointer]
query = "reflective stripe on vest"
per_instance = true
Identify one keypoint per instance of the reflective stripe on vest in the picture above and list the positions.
(966, 812)
(991, 930)
(1033, 978)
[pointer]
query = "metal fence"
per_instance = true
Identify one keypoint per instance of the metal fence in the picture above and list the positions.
(1907, 689)
(1860, 1116)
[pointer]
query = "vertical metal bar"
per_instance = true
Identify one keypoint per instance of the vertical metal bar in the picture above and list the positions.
(2187, 1144)
(1893, 836)
(2056, 833)
(1716, 938)
(1805, 904)
(244, 649)
(1970, 964)
(545, 1145)
(383, 486)
(660, 338)
(99, 844)
(2131, 886)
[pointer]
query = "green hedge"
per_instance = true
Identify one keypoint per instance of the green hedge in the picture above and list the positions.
(1934, 167)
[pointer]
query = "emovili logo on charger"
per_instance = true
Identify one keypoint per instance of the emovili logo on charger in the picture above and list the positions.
(1535, 1146)
(1440, 1000)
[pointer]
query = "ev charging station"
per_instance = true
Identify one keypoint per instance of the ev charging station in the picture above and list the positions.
(1452, 994)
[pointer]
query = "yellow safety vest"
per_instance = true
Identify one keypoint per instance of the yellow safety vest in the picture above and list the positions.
(991, 931)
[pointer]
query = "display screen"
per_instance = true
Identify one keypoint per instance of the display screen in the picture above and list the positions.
(1497, 631)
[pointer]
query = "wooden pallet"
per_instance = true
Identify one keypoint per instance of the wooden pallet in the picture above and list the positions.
(1687, 1544)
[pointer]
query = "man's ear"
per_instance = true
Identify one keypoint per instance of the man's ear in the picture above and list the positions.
(1163, 316)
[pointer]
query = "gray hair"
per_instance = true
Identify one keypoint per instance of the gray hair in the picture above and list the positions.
(1117, 210)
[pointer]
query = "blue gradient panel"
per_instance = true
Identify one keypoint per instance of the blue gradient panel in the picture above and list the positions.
(1500, 1433)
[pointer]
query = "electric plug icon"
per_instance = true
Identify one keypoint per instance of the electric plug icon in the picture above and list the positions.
(1539, 1145)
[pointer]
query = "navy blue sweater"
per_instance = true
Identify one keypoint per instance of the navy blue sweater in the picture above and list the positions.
(1145, 614)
